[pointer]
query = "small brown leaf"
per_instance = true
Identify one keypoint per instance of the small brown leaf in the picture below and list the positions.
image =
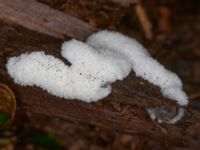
(7, 101)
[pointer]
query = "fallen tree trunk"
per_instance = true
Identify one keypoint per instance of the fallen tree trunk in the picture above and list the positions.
(41, 18)
(123, 110)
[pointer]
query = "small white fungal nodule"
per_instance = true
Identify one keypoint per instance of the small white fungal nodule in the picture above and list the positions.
(106, 57)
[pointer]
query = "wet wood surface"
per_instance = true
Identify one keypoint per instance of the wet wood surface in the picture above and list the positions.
(123, 110)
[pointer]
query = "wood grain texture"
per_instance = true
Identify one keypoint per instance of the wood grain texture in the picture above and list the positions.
(41, 18)
(123, 110)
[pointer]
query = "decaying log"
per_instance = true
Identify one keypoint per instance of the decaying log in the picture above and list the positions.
(41, 18)
(123, 110)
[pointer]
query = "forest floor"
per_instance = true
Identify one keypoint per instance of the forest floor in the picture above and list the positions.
(41, 121)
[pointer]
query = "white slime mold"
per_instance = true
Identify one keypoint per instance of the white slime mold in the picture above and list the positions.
(106, 57)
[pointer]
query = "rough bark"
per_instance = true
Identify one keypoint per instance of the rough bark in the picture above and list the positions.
(123, 110)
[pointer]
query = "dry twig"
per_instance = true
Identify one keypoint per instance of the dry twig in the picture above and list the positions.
(144, 21)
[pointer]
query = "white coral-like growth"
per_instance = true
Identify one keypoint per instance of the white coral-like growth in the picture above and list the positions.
(106, 57)
(142, 63)
(88, 78)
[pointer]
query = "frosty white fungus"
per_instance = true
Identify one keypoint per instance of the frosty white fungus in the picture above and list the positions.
(106, 57)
